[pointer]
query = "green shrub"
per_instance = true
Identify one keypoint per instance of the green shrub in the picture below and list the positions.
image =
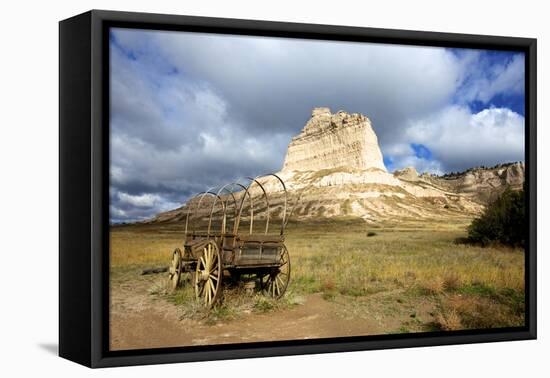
(503, 221)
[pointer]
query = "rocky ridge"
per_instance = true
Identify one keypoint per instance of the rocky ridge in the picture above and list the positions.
(334, 167)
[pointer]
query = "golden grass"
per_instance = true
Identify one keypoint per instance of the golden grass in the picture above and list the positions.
(337, 257)
(458, 311)
(448, 320)
(425, 258)
(143, 245)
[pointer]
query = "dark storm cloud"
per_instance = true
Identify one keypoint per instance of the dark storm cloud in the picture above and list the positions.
(191, 110)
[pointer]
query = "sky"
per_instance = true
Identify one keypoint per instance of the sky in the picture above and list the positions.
(190, 110)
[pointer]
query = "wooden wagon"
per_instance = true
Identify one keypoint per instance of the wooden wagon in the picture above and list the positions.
(211, 257)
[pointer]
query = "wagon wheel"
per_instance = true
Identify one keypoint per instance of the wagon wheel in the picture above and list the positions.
(274, 284)
(208, 275)
(174, 270)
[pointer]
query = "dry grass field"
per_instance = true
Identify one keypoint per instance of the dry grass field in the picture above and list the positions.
(411, 277)
(469, 286)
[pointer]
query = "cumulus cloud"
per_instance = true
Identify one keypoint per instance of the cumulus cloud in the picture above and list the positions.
(190, 111)
(126, 206)
(143, 200)
(459, 139)
(482, 78)
(271, 84)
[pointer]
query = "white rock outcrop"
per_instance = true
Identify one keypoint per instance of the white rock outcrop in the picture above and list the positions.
(408, 173)
(330, 141)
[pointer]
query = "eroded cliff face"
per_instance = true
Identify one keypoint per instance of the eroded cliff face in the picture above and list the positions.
(335, 168)
(483, 184)
(330, 141)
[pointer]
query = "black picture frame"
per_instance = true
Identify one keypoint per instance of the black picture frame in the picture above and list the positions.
(84, 189)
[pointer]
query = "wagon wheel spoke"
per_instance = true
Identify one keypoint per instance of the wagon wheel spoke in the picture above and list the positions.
(198, 285)
(213, 265)
(275, 283)
(212, 288)
(208, 292)
(208, 275)
(279, 279)
(207, 258)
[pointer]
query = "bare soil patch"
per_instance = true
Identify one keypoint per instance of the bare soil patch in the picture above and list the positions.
(140, 319)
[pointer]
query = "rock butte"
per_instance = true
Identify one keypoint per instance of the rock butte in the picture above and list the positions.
(334, 167)
(334, 140)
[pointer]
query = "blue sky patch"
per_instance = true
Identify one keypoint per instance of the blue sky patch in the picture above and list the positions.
(421, 151)
(388, 162)
(516, 103)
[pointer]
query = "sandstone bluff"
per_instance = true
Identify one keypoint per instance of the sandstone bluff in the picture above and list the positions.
(332, 141)
(334, 167)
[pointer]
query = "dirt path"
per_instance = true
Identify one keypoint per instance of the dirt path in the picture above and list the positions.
(141, 320)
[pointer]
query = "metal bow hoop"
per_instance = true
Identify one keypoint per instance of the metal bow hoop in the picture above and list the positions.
(251, 201)
(252, 182)
(226, 194)
(224, 206)
(202, 195)
(283, 220)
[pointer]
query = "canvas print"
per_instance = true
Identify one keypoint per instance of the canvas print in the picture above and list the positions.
(267, 189)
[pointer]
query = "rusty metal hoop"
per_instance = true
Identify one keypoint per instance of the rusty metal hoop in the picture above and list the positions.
(202, 195)
(224, 206)
(283, 220)
(252, 182)
(238, 213)
(251, 201)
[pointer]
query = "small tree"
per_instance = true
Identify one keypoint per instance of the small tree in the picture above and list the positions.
(503, 221)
